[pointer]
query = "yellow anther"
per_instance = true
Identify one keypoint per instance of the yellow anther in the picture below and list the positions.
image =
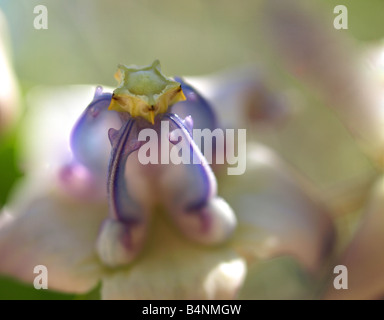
(152, 116)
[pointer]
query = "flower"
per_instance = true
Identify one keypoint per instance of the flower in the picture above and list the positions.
(161, 231)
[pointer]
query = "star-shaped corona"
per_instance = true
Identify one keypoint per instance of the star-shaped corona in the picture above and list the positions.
(144, 91)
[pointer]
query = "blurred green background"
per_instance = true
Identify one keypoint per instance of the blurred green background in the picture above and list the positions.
(86, 39)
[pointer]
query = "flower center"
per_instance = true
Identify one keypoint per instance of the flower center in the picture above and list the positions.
(144, 91)
(145, 83)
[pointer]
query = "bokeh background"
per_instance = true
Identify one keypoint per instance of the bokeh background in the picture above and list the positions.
(85, 41)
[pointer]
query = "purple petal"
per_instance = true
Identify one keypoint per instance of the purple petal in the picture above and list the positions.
(189, 192)
(89, 138)
(122, 206)
(122, 234)
(195, 106)
(201, 182)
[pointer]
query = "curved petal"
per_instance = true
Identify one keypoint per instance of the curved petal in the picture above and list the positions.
(172, 267)
(276, 213)
(82, 171)
(122, 205)
(122, 234)
(195, 106)
(56, 233)
(89, 138)
(188, 190)
(364, 256)
(201, 181)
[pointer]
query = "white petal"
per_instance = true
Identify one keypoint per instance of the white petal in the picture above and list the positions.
(364, 256)
(276, 214)
(53, 232)
(172, 267)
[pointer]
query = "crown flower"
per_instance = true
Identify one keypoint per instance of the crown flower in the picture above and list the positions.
(95, 213)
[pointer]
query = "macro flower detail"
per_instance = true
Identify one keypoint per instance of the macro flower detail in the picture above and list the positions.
(192, 203)
(154, 230)
(144, 91)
